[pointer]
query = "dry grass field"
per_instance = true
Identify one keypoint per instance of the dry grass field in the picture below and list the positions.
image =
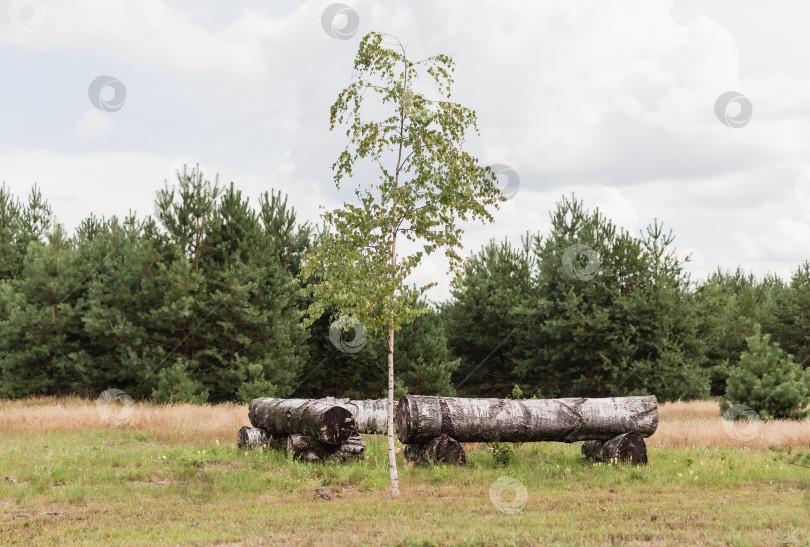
(681, 424)
(171, 475)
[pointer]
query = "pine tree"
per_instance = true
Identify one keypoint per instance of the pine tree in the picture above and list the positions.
(41, 311)
(768, 380)
(113, 336)
(482, 318)
(729, 304)
(20, 224)
(612, 316)
(785, 314)
(425, 363)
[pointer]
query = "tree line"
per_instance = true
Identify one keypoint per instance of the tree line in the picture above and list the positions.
(202, 301)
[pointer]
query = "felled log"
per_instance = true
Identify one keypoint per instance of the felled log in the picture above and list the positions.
(325, 422)
(370, 415)
(442, 449)
(624, 448)
(302, 447)
(252, 437)
(421, 418)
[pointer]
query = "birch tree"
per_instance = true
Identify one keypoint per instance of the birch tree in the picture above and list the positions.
(426, 185)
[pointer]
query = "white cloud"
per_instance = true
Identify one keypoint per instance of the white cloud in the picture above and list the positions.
(94, 124)
(784, 238)
(611, 100)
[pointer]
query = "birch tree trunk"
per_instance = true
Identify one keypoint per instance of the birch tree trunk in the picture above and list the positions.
(421, 418)
(327, 423)
(624, 448)
(392, 456)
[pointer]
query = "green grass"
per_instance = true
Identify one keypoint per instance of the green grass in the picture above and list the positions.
(106, 486)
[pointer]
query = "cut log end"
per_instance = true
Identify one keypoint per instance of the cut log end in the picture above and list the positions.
(442, 449)
(402, 420)
(624, 448)
(337, 425)
(253, 437)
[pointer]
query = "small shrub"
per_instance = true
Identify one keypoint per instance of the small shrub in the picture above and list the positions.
(502, 454)
(175, 385)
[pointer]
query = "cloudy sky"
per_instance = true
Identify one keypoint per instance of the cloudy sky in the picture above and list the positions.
(614, 101)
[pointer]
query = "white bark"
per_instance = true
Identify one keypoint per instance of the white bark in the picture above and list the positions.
(392, 456)
(370, 415)
(421, 418)
(327, 423)
(252, 437)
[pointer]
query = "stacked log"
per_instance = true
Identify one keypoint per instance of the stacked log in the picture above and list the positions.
(253, 437)
(301, 447)
(432, 428)
(311, 430)
(327, 423)
(437, 451)
(624, 448)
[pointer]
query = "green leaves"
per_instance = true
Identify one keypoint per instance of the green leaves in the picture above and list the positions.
(427, 183)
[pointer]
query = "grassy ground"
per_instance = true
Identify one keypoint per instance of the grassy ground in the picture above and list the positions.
(172, 476)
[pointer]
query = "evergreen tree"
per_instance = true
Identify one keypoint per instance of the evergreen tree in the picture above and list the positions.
(426, 364)
(611, 315)
(729, 304)
(785, 314)
(232, 301)
(41, 310)
(20, 224)
(768, 380)
(483, 315)
(114, 332)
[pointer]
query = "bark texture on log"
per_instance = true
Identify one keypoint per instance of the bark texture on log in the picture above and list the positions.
(327, 423)
(253, 437)
(442, 449)
(370, 415)
(302, 447)
(421, 418)
(624, 448)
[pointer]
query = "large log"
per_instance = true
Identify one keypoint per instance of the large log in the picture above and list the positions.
(252, 437)
(327, 423)
(624, 448)
(439, 450)
(302, 447)
(421, 418)
(370, 415)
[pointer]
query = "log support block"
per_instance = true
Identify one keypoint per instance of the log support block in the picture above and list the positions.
(309, 449)
(249, 438)
(624, 448)
(442, 449)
